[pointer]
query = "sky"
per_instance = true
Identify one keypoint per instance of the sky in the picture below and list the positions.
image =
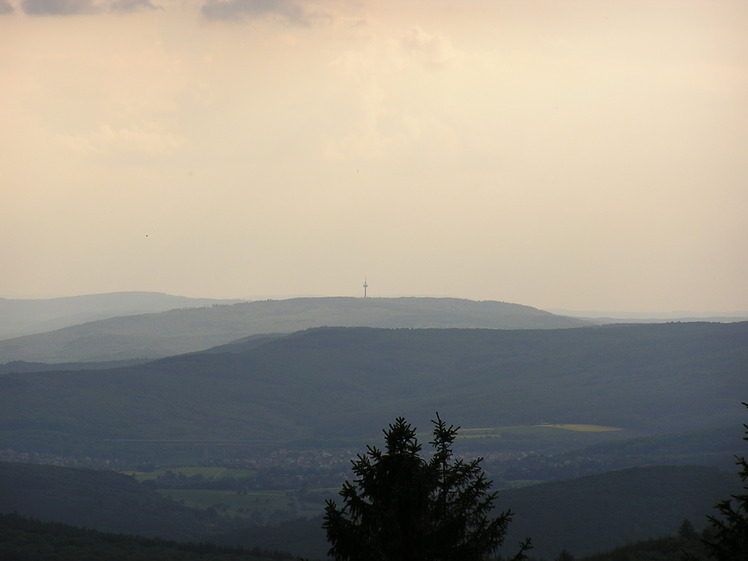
(579, 155)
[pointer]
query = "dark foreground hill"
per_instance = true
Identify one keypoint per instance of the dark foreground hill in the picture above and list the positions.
(186, 330)
(599, 512)
(24, 539)
(584, 516)
(24, 317)
(336, 384)
(103, 500)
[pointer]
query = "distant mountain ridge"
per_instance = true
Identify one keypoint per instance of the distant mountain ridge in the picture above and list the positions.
(584, 515)
(186, 330)
(28, 316)
(104, 500)
(343, 383)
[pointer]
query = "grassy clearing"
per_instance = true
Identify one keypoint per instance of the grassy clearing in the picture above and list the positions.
(488, 432)
(259, 505)
(209, 473)
(497, 432)
(583, 428)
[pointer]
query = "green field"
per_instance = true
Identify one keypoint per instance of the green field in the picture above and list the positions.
(260, 506)
(338, 387)
(583, 428)
(209, 473)
(500, 432)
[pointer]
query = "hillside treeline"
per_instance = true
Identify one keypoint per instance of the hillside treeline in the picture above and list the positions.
(338, 384)
(27, 539)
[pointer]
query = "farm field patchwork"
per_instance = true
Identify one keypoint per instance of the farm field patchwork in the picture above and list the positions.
(260, 506)
(207, 473)
(499, 432)
(583, 428)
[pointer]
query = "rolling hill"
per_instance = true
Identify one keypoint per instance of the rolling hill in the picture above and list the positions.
(599, 512)
(25, 317)
(24, 539)
(329, 384)
(185, 330)
(584, 515)
(102, 500)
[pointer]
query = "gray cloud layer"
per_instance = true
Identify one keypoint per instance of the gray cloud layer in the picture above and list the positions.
(75, 7)
(127, 6)
(220, 10)
(57, 7)
(289, 10)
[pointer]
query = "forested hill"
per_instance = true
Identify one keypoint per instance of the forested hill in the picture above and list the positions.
(103, 500)
(341, 383)
(23, 539)
(25, 317)
(582, 516)
(599, 512)
(184, 330)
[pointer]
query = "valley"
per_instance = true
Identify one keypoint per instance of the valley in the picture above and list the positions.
(242, 443)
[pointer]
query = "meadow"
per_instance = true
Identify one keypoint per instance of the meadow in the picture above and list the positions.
(211, 473)
(259, 506)
(337, 387)
(500, 432)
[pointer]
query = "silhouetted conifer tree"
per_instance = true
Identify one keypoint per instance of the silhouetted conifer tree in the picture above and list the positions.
(728, 530)
(402, 507)
(564, 556)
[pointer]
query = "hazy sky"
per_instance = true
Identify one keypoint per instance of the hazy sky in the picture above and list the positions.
(561, 154)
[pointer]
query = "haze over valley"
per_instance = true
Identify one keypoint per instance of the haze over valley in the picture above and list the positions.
(258, 252)
(284, 407)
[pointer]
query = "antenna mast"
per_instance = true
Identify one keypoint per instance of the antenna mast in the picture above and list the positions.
(366, 285)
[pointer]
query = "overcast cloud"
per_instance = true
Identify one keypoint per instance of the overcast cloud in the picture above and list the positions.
(127, 6)
(77, 7)
(57, 7)
(289, 10)
(573, 155)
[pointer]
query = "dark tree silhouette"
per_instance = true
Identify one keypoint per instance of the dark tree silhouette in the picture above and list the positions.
(730, 528)
(728, 531)
(401, 506)
(564, 556)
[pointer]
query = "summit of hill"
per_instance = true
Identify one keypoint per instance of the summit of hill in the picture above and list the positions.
(29, 316)
(341, 384)
(157, 335)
